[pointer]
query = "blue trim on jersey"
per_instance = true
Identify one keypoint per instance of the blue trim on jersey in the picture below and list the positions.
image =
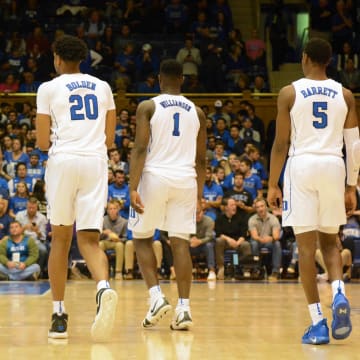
(290, 191)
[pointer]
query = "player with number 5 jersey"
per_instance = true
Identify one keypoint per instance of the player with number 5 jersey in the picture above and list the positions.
(76, 122)
(316, 118)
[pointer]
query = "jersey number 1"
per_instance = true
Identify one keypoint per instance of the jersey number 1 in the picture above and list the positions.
(318, 112)
(176, 119)
(88, 103)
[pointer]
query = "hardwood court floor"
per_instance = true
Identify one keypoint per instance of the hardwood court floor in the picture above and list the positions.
(233, 320)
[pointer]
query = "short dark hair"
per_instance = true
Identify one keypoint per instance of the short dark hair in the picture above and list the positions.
(20, 163)
(237, 173)
(318, 50)
(246, 161)
(70, 48)
(171, 68)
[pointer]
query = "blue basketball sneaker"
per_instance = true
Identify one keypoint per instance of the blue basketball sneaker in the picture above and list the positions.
(341, 324)
(317, 334)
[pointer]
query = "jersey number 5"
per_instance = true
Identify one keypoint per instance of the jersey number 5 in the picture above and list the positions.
(84, 107)
(318, 112)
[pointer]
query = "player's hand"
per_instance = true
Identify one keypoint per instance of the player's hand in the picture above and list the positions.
(274, 197)
(136, 202)
(350, 200)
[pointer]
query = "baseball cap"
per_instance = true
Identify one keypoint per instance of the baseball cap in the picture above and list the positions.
(146, 47)
(218, 103)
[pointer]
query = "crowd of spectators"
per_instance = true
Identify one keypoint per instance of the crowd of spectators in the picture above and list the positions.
(338, 22)
(127, 40)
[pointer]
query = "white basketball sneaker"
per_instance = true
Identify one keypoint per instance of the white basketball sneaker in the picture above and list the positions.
(156, 311)
(182, 320)
(106, 300)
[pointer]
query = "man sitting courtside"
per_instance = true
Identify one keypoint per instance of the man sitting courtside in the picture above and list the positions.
(203, 241)
(18, 255)
(231, 231)
(113, 235)
(264, 229)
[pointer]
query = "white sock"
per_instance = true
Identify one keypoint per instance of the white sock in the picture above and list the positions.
(103, 284)
(155, 293)
(58, 307)
(315, 313)
(335, 285)
(183, 304)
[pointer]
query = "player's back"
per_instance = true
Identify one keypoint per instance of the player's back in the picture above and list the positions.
(172, 145)
(317, 118)
(77, 104)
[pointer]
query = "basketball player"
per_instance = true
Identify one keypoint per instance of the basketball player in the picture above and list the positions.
(76, 118)
(315, 116)
(167, 173)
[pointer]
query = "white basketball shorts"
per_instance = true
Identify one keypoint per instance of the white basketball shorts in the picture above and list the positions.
(166, 207)
(76, 190)
(314, 189)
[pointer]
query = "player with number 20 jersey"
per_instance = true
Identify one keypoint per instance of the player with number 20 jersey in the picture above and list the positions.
(78, 104)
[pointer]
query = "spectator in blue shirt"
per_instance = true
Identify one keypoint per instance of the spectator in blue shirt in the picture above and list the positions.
(119, 190)
(5, 219)
(221, 132)
(29, 84)
(35, 170)
(234, 163)
(258, 167)
(212, 195)
(149, 86)
(252, 182)
(235, 143)
(147, 62)
(19, 201)
(21, 175)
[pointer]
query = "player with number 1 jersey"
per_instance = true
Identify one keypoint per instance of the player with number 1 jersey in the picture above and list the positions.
(172, 146)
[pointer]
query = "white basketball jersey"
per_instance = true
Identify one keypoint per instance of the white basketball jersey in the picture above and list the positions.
(174, 128)
(317, 118)
(77, 104)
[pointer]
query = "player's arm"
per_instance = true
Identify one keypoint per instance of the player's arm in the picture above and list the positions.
(282, 135)
(43, 118)
(281, 143)
(144, 113)
(43, 122)
(200, 161)
(110, 124)
(352, 145)
(351, 139)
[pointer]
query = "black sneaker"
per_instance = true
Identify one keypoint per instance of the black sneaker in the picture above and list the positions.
(106, 301)
(58, 328)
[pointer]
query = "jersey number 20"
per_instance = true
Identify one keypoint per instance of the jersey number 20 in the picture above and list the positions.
(318, 112)
(84, 107)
